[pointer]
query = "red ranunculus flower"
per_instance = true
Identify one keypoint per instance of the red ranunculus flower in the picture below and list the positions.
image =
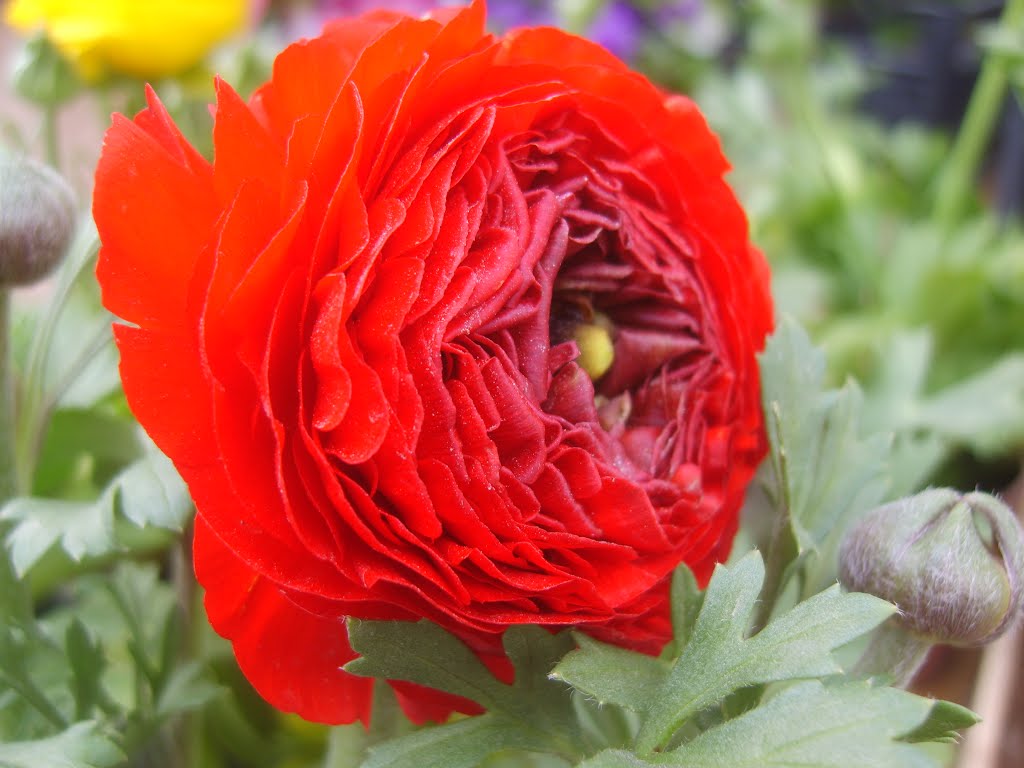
(355, 334)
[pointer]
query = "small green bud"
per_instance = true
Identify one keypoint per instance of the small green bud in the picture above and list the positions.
(43, 76)
(952, 563)
(37, 219)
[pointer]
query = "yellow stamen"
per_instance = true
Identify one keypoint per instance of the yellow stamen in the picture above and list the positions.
(597, 352)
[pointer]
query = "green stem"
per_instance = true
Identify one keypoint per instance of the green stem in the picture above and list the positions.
(8, 461)
(51, 135)
(34, 431)
(894, 653)
(782, 549)
(28, 691)
(32, 421)
(957, 179)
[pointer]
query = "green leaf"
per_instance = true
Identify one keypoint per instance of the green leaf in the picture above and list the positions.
(422, 653)
(824, 472)
(824, 468)
(944, 721)
(615, 758)
(813, 726)
(687, 599)
(186, 689)
(18, 673)
(80, 746)
(539, 699)
(534, 652)
(82, 529)
(462, 744)
(816, 726)
(535, 712)
(719, 660)
(984, 412)
(145, 604)
(611, 674)
(15, 601)
(87, 662)
(102, 437)
(25, 650)
(149, 492)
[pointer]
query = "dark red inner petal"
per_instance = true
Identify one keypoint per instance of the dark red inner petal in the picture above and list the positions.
(487, 471)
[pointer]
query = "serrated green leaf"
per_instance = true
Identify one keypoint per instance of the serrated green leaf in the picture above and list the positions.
(534, 707)
(18, 646)
(611, 674)
(422, 653)
(812, 726)
(824, 471)
(615, 758)
(104, 438)
(187, 688)
(541, 701)
(944, 721)
(144, 603)
(719, 659)
(824, 467)
(15, 601)
(915, 458)
(815, 726)
(80, 746)
(534, 652)
(984, 412)
(25, 649)
(149, 492)
(687, 599)
(87, 662)
(462, 744)
(82, 529)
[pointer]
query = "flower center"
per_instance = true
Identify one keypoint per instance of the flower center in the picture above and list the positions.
(573, 318)
(606, 327)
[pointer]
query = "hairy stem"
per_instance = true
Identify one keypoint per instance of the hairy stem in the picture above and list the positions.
(894, 653)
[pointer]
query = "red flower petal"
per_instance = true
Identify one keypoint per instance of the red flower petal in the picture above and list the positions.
(291, 656)
(357, 339)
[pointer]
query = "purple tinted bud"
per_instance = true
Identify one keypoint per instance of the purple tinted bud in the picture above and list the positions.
(37, 219)
(952, 563)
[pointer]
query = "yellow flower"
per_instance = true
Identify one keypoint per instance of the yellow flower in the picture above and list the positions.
(144, 38)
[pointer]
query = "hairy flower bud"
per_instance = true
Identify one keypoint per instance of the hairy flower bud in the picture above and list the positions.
(37, 219)
(951, 562)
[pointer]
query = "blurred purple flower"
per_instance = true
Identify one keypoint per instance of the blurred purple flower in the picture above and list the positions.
(508, 14)
(331, 8)
(678, 10)
(619, 27)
